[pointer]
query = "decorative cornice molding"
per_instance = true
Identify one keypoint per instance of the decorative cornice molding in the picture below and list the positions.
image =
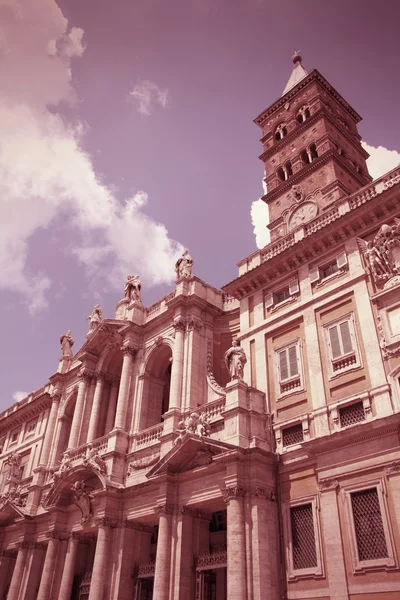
(165, 509)
(231, 492)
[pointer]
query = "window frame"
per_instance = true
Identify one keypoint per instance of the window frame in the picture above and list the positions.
(315, 272)
(350, 319)
(16, 431)
(317, 571)
(365, 565)
(297, 343)
(269, 298)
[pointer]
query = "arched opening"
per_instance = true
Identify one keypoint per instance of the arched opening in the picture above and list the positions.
(313, 152)
(64, 428)
(156, 387)
(289, 171)
(281, 174)
(280, 132)
(303, 114)
(305, 157)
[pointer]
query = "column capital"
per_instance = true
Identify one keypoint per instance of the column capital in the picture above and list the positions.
(100, 375)
(85, 374)
(179, 323)
(259, 492)
(194, 324)
(129, 350)
(233, 491)
(165, 509)
(56, 535)
(26, 545)
(105, 521)
(56, 396)
(8, 553)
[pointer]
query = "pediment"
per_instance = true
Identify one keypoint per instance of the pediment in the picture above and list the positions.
(107, 332)
(191, 452)
(61, 492)
(9, 512)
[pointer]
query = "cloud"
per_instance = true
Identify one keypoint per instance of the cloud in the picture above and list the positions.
(46, 175)
(18, 396)
(381, 160)
(259, 220)
(145, 94)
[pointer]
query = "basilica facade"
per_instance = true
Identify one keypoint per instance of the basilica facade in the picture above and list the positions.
(233, 444)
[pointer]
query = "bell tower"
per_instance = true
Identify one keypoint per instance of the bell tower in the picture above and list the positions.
(311, 150)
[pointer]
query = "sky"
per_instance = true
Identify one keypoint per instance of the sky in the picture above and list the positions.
(127, 134)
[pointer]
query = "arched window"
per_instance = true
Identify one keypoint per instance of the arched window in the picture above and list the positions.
(156, 387)
(289, 171)
(305, 157)
(286, 171)
(313, 152)
(280, 132)
(281, 174)
(303, 114)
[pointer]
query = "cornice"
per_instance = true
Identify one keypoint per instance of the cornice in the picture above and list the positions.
(26, 413)
(314, 75)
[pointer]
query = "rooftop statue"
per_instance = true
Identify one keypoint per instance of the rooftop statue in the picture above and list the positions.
(133, 289)
(67, 341)
(184, 266)
(235, 359)
(95, 318)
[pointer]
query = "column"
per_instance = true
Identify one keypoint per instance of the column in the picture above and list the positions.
(33, 572)
(332, 536)
(236, 547)
(78, 412)
(51, 425)
(175, 395)
(183, 584)
(48, 567)
(123, 395)
(5, 559)
(112, 405)
(100, 560)
(163, 556)
(94, 415)
(67, 578)
(19, 568)
(264, 545)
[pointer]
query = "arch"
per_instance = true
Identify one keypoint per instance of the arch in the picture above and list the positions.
(156, 385)
(289, 170)
(61, 494)
(303, 113)
(281, 174)
(280, 132)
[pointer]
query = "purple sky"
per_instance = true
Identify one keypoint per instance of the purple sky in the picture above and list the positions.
(104, 102)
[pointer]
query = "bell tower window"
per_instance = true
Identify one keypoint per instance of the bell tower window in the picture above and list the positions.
(280, 132)
(303, 114)
(308, 156)
(285, 172)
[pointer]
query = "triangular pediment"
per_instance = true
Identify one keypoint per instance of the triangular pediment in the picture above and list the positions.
(190, 452)
(9, 512)
(107, 332)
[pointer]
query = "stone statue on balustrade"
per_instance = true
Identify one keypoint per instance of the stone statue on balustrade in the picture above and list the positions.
(184, 266)
(133, 289)
(14, 462)
(82, 499)
(95, 318)
(66, 341)
(382, 254)
(235, 359)
(94, 460)
(65, 466)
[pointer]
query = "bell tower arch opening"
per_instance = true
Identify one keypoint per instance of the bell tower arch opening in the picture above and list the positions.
(156, 386)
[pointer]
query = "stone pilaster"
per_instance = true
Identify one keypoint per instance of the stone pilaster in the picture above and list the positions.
(236, 414)
(46, 581)
(6, 560)
(78, 412)
(393, 474)
(112, 406)
(183, 583)
(67, 577)
(163, 557)
(124, 387)
(194, 381)
(100, 560)
(20, 563)
(334, 557)
(87, 411)
(51, 426)
(33, 571)
(95, 413)
(236, 545)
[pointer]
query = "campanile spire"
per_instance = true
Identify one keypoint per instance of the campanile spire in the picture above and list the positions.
(298, 73)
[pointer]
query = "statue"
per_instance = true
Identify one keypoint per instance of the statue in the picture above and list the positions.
(82, 499)
(94, 460)
(377, 264)
(382, 254)
(196, 424)
(184, 266)
(14, 462)
(66, 341)
(95, 318)
(235, 359)
(133, 289)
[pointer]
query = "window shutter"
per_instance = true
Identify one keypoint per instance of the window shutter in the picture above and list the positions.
(346, 337)
(314, 274)
(293, 366)
(335, 342)
(283, 366)
(293, 287)
(268, 300)
(341, 260)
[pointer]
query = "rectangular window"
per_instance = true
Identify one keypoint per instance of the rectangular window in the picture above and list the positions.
(289, 368)
(30, 428)
(352, 414)
(277, 297)
(251, 311)
(303, 537)
(368, 525)
(14, 436)
(341, 340)
(292, 435)
(336, 265)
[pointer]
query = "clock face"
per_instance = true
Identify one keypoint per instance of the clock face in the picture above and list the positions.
(302, 214)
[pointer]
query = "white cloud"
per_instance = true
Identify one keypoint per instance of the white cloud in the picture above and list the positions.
(145, 94)
(259, 220)
(381, 160)
(45, 173)
(18, 396)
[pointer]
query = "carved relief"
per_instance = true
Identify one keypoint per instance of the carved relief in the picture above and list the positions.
(304, 213)
(94, 460)
(327, 484)
(196, 424)
(82, 499)
(382, 255)
(142, 463)
(210, 375)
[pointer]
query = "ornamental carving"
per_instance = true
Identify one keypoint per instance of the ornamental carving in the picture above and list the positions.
(233, 492)
(196, 424)
(142, 463)
(82, 499)
(210, 375)
(128, 350)
(165, 509)
(179, 323)
(194, 324)
(393, 468)
(386, 350)
(325, 485)
(94, 460)
(14, 496)
(147, 569)
(14, 462)
(382, 254)
(212, 559)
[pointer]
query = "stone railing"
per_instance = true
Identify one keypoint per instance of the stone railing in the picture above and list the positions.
(78, 454)
(212, 410)
(211, 560)
(159, 307)
(147, 569)
(322, 221)
(148, 436)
